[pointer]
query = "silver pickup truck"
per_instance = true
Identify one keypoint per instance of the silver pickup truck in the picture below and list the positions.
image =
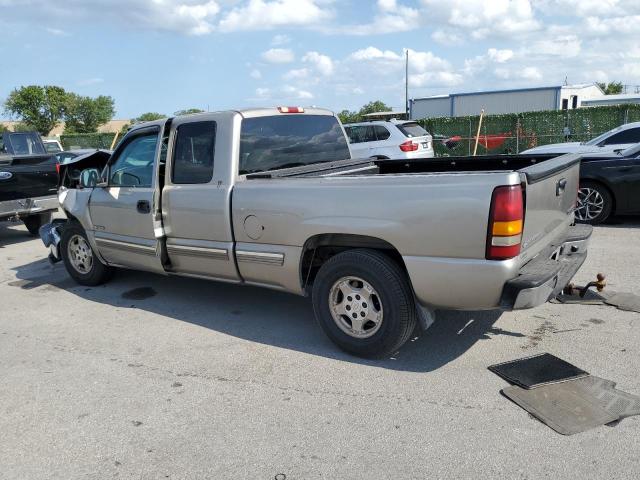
(271, 197)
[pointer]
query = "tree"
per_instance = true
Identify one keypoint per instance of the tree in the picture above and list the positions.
(611, 88)
(376, 106)
(348, 116)
(148, 117)
(39, 106)
(188, 111)
(3, 128)
(86, 114)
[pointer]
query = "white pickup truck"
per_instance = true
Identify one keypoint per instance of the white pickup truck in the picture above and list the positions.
(272, 197)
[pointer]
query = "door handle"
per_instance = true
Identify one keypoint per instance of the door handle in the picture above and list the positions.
(143, 206)
(560, 186)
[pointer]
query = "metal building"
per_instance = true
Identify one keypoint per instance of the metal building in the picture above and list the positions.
(503, 101)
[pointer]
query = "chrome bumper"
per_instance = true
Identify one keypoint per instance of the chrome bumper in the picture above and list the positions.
(27, 206)
(546, 275)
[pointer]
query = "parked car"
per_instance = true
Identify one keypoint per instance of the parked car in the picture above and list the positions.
(609, 185)
(271, 197)
(52, 145)
(395, 139)
(28, 180)
(619, 138)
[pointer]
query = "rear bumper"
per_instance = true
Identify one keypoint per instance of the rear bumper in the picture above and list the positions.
(546, 275)
(27, 206)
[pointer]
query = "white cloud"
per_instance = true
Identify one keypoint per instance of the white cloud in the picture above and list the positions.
(563, 46)
(280, 39)
(57, 32)
(483, 18)
(390, 17)
(447, 37)
(190, 17)
(278, 55)
(322, 63)
(255, 73)
(373, 53)
(296, 74)
(296, 93)
(266, 15)
(499, 56)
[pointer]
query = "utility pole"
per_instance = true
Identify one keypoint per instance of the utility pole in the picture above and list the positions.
(406, 84)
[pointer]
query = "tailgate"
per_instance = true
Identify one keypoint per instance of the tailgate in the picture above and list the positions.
(551, 191)
(28, 177)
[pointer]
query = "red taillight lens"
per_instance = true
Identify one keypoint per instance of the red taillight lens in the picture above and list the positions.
(506, 222)
(408, 146)
(291, 109)
(58, 168)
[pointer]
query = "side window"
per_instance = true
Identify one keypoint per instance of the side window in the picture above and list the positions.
(350, 131)
(631, 135)
(194, 152)
(381, 132)
(134, 165)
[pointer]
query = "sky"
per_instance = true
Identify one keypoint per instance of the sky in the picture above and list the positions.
(163, 55)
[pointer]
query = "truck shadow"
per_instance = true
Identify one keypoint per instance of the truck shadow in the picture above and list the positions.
(260, 315)
(622, 222)
(13, 232)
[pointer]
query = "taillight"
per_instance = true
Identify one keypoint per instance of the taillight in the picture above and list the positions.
(408, 146)
(58, 168)
(291, 109)
(506, 220)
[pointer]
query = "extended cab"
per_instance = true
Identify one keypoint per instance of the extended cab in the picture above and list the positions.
(271, 197)
(28, 180)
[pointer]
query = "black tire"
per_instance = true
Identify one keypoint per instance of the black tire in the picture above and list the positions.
(392, 287)
(97, 274)
(607, 205)
(34, 222)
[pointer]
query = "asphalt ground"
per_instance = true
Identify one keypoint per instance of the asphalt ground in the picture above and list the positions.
(151, 377)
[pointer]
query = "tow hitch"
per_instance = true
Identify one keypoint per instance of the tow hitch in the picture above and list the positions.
(50, 234)
(599, 284)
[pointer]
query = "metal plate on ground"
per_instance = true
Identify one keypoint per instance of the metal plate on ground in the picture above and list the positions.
(537, 370)
(614, 401)
(561, 407)
(624, 301)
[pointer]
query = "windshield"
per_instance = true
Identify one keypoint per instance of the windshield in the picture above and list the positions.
(283, 141)
(52, 147)
(25, 143)
(412, 130)
(605, 135)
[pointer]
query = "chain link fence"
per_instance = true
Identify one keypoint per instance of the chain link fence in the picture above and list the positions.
(513, 133)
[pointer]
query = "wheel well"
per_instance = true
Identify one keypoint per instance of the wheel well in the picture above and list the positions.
(606, 187)
(320, 248)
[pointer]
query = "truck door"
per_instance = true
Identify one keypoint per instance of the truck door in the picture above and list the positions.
(122, 211)
(196, 198)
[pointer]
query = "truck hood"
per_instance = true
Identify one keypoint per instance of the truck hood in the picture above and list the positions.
(70, 171)
(569, 147)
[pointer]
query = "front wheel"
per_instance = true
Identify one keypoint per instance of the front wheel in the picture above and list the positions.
(364, 303)
(594, 203)
(79, 259)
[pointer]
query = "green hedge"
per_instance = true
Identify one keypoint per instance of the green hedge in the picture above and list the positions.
(87, 140)
(528, 129)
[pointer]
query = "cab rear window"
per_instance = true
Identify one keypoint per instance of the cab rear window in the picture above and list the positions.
(411, 130)
(284, 141)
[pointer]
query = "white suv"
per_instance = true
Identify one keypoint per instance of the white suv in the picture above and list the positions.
(394, 139)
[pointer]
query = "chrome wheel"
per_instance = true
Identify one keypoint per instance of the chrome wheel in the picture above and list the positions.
(80, 254)
(590, 204)
(356, 307)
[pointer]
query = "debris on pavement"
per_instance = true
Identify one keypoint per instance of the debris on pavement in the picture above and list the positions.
(573, 402)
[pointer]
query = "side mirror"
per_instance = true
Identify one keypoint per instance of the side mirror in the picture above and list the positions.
(89, 178)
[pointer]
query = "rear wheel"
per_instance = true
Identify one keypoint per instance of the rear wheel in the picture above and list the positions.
(79, 259)
(34, 222)
(594, 203)
(364, 303)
